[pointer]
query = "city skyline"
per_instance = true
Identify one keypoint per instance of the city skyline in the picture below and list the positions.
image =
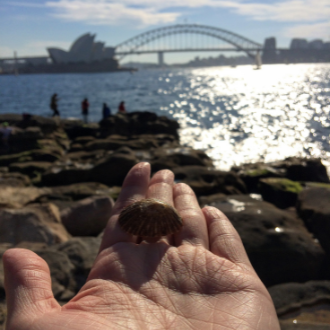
(31, 27)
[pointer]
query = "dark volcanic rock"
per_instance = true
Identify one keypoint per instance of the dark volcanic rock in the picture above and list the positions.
(62, 273)
(168, 158)
(82, 252)
(87, 217)
(138, 123)
(77, 129)
(290, 296)
(206, 181)
(251, 177)
(314, 208)
(112, 171)
(280, 191)
(279, 246)
(14, 180)
(306, 170)
(293, 168)
(47, 125)
(30, 168)
(109, 144)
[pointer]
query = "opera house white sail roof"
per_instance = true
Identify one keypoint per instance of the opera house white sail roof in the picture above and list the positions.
(83, 50)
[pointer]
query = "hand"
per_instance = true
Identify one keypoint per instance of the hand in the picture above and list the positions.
(199, 278)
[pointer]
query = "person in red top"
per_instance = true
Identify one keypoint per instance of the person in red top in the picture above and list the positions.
(121, 107)
(84, 109)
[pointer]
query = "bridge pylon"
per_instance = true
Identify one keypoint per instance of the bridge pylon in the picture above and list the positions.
(161, 58)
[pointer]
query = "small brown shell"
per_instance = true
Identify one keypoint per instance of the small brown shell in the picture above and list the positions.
(150, 218)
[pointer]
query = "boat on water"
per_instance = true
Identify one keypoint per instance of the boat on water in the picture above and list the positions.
(258, 61)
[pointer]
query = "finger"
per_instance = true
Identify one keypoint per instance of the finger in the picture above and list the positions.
(28, 286)
(224, 239)
(194, 230)
(161, 187)
(134, 188)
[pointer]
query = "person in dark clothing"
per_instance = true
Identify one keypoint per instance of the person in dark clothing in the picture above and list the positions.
(106, 112)
(53, 105)
(84, 109)
(121, 107)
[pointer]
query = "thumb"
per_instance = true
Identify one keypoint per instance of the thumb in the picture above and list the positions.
(28, 287)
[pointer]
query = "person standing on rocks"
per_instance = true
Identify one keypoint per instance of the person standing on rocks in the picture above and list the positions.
(53, 105)
(121, 107)
(84, 109)
(197, 278)
(106, 111)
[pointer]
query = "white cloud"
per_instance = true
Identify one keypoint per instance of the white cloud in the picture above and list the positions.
(283, 11)
(318, 30)
(151, 12)
(109, 13)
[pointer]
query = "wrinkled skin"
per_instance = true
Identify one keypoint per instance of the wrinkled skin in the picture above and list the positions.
(199, 278)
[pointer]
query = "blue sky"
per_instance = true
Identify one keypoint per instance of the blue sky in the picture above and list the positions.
(29, 26)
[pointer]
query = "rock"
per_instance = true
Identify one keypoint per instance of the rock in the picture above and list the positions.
(112, 170)
(314, 208)
(28, 134)
(291, 296)
(302, 305)
(278, 245)
(163, 140)
(138, 123)
(82, 252)
(76, 147)
(84, 156)
(35, 223)
(79, 129)
(18, 197)
(108, 144)
(47, 125)
(206, 181)
(306, 170)
(83, 190)
(84, 139)
(14, 180)
(315, 185)
(65, 175)
(171, 158)
(251, 177)
(62, 273)
(87, 217)
(280, 191)
(289, 325)
(30, 168)
(293, 168)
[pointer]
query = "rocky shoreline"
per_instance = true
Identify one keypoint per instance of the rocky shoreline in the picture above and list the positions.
(60, 178)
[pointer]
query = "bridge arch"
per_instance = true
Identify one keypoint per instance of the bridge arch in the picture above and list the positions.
(132, 45)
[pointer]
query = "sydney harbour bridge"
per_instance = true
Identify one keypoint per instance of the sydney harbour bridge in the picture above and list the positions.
(85, 54)
(186, 38)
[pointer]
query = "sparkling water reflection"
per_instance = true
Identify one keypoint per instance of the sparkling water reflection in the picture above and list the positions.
(236, 115)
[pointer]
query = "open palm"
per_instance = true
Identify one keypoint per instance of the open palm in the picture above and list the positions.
(199, 278)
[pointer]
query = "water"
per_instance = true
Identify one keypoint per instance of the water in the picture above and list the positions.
(236, 115)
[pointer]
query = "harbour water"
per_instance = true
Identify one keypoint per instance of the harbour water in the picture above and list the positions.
(237, 115)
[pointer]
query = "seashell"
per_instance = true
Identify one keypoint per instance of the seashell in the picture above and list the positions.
(150, 218)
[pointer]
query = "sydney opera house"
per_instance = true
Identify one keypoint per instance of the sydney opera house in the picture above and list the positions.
(84, 56)
(83, 50)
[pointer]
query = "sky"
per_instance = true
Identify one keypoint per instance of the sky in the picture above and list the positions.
(29, 26)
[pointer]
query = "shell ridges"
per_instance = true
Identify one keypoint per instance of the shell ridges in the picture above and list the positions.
(150, 218)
